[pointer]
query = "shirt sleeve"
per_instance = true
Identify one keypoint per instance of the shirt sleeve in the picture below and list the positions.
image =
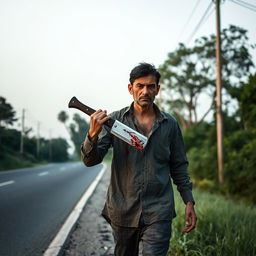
(179, 165)
(92, 153)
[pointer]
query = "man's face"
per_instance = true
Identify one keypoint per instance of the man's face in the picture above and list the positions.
(144, 90)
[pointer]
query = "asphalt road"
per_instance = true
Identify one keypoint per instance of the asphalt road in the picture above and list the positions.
(35, 202)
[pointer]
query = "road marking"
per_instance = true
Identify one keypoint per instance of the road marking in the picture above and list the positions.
(62, 169)
(7, 183)
(28, 169)
(60, 239)
(43, 173)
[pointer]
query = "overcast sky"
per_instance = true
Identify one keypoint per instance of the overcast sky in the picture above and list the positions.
(51, 50)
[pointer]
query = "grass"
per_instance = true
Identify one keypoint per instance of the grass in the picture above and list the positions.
(224, 228)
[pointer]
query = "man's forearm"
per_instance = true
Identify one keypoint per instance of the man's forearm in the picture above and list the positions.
(93, 152)
(89, 152)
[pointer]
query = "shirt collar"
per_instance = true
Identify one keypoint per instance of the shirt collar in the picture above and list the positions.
(160, 115)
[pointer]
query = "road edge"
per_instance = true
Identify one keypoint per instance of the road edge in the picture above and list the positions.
(58, 242)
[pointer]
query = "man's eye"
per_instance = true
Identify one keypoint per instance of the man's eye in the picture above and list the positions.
(152, 86)
(140, 85)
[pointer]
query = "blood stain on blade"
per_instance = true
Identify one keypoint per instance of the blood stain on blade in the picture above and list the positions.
(136, 142)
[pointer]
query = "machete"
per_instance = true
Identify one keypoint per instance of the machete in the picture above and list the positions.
(118, 129)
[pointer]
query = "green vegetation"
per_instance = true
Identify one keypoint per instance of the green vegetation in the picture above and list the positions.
(224, 228)
(239, 148)
(189, 75)
(54, 150)
(77, 129)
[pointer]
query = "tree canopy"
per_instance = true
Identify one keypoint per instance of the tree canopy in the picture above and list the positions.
(189, 73)
(77, 129)
(7, 114)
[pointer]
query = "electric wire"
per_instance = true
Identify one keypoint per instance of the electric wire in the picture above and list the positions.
(205, 16)
(243, 4)
(246, 3)
(188, 20)
(209, 14)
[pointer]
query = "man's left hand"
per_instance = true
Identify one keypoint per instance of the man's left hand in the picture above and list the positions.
(190, 217)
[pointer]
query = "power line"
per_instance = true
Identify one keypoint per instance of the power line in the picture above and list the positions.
(208, 15)
(202, 20)
(192, 13)
(245, 5)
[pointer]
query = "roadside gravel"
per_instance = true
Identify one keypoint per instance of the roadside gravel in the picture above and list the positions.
(92, 234)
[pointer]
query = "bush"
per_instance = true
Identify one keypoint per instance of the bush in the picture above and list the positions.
(13, 161)
(240, 166)
(195, 136)
(239, 161)
(202, 162)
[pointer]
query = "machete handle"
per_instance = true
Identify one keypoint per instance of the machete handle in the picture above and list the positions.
(75, 103)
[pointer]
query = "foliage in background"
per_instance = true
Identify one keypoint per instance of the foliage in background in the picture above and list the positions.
(239, 148)
(246, 97)
(54, 150)
(77, 129)
(187, 75)
(7, 114)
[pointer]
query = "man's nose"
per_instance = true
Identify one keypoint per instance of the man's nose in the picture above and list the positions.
(145, 90)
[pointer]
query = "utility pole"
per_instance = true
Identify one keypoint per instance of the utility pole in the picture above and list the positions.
(22, 132)
(38, 140)
(218, 96)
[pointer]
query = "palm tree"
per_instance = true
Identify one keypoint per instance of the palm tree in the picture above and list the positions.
(63, 117)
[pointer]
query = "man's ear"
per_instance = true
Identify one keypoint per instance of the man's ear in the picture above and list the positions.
(158, 88)
(130, 89)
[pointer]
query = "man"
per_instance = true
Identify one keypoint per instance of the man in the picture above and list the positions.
(140, 203)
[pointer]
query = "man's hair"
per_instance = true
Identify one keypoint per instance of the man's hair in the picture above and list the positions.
(144, 69)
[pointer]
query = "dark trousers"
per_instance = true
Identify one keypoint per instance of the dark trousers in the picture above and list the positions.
(154, 237)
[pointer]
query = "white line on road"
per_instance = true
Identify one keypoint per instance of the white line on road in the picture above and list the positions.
(7, 183)
(43, 173)
(62, 169)
(59, 240)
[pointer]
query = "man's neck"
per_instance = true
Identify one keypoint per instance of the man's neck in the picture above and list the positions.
(140, 111)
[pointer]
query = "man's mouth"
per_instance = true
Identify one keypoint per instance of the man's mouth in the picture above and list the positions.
(145, 98)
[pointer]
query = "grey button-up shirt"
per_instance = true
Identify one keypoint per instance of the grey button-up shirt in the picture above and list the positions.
(141, 180)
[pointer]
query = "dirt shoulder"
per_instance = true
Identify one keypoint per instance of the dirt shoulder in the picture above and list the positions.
(92, 234)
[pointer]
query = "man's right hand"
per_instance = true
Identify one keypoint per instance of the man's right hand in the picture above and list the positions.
(98, 118)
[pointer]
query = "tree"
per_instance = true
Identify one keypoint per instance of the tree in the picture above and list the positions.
(7, 114)
(63, 117)
(189, 72)
(184, 78)
(59, 150)
(246, 96)
(239, 169)
(77, 129)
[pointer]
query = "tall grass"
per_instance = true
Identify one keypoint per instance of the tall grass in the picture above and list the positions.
(224, 228)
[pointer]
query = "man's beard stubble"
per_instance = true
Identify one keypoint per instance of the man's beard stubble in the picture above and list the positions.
(149, 101)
